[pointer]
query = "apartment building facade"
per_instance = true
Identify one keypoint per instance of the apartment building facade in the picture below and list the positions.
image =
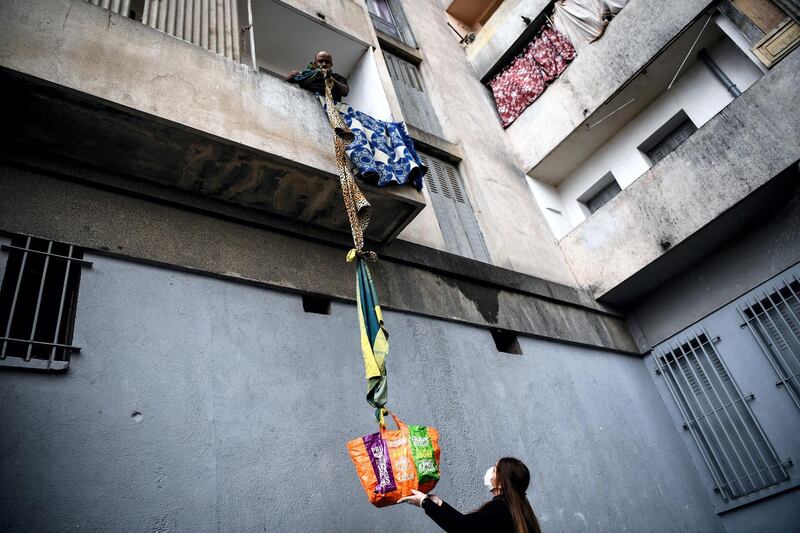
(608, 287)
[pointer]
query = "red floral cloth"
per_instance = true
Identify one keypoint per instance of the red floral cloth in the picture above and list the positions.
(520, 84)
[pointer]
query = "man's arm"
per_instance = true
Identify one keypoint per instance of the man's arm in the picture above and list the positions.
(292, 74)
(341, 83)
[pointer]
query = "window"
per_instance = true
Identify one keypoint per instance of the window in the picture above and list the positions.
(388, 17)
(454, 213)
(414, 101)
(774, 320)
(735, 449)
(668, 137)
(38, 298)
(600, 193)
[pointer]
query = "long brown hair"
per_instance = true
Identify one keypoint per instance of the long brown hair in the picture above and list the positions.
(513, 478)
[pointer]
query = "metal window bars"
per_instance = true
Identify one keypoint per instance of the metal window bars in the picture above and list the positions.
(37, 303)
(736, 451)
(772, 314)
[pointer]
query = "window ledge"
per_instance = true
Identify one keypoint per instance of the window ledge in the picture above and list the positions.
(427, 142)
(399, 48)
(41, 365)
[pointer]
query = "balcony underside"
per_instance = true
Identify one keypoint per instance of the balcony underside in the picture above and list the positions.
(56, 123)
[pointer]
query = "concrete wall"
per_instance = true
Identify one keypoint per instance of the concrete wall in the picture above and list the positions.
(75, 44)
(744, 146)
(199, 404)
(514, 230)
(697, 92)
(110, 214)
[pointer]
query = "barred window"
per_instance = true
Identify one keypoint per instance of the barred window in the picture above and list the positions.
(38, 297)
(738, 454)
(773, 317)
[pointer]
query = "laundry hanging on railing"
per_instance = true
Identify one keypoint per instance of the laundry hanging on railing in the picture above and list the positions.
(584, 21)
(382, 152)
(525, 79)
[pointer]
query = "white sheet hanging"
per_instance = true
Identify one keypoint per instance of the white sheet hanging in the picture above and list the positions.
(580, 20)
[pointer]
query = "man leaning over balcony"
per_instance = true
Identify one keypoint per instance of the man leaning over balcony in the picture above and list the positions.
(313, 77)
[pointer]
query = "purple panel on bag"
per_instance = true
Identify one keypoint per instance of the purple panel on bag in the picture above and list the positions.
(381, 464)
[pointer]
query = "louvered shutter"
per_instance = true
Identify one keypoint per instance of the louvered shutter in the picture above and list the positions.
(460, 229)
(414, 101)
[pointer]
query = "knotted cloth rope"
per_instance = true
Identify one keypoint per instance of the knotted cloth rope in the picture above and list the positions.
(358, 208)
(374, 338)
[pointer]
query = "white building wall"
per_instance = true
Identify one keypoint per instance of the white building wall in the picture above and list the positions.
(697, 92)
(366, 91)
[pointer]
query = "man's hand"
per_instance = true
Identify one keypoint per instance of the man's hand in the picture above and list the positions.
(292, 74)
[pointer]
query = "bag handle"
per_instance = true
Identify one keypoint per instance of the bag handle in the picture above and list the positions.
(382, 423)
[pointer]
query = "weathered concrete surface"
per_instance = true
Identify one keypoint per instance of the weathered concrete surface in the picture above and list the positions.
(768, 244)
(154, 232)
(51, 122)
(745, 145)
(76, 45)
(500, 32)
(513, 227)
(630, 41)
(193, 407)
(348, 16)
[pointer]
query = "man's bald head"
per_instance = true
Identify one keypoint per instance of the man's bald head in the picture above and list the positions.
(323, 59)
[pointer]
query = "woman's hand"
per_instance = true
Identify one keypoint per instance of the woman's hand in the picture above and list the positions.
(415, 498)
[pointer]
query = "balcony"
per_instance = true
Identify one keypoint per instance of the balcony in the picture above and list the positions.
(89, 86)
(644, 234)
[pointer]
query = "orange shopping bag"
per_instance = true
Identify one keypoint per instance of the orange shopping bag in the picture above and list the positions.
(391, 463)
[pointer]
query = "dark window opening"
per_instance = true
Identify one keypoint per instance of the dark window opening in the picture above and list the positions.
(38, 299)
(506, 341)
(314, 303)
(136, 10)
(600, 193)
(668, 137)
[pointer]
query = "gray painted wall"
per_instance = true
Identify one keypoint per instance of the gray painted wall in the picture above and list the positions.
(246, 404)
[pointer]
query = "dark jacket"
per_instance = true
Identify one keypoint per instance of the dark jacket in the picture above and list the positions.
(316, 84)
(494, 517)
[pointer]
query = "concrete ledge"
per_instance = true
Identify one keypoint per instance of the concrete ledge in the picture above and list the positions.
(748, 143)
(143, 230)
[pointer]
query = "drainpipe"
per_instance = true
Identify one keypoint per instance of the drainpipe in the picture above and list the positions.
(719, 74)
(252, 36)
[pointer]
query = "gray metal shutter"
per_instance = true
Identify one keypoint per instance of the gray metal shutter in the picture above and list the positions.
(774, 319)
(682, 132)
(460, 229)
(414, 101)
(603, 196)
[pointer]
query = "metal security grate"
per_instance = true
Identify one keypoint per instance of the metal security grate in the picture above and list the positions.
(734, 447)
(37, 303)
(773, 317)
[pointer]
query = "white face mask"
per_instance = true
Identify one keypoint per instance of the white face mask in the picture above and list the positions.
(488, 478)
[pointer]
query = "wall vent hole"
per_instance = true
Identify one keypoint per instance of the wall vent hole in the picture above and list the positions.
(506, 341)
(314, 303)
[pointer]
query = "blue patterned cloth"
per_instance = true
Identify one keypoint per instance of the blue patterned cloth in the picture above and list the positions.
(382, 152)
